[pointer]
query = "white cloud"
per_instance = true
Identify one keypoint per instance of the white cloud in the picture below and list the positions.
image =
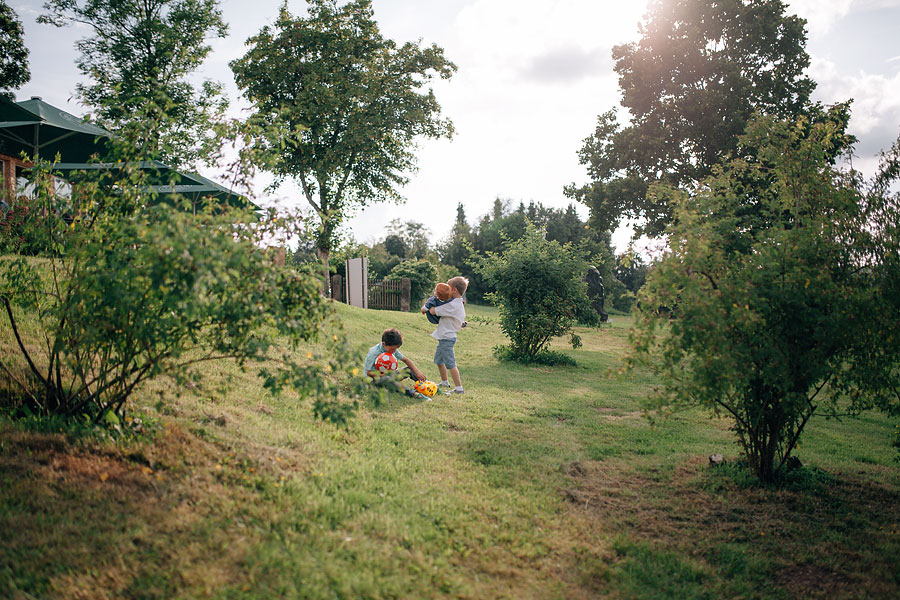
(822, 15)
(876, 97)
(533, 76)
(567, 64)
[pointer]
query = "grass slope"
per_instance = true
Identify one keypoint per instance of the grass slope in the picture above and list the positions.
(537, 483)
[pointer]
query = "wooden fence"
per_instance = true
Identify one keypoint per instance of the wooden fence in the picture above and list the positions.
(389, 294)
(384, 294)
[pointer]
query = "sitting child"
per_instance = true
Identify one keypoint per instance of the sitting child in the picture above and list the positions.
(440, 297)
(391, 340)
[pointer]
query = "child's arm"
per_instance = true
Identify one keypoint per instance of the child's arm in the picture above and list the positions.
(450, 309)
(412, 367)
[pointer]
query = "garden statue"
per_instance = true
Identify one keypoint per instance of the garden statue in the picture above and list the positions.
(595, 292)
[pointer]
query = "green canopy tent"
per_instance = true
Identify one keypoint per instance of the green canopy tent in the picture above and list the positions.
(11, 114)
(41, 130)
(153, 172)
(197, 189)
(164, 181)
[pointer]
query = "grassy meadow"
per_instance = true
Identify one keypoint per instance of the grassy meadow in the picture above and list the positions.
(537, 483)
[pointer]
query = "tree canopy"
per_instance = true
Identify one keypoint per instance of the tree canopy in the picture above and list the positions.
(138, 59)
(14, 71)
(351, 102)
(690, 84)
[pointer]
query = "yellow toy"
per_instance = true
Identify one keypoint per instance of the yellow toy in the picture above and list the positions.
(426, 388)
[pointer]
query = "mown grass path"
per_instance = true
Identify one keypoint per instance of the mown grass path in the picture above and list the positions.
(537, 483)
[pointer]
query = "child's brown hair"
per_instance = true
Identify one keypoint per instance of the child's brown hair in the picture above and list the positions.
(442, 292)
(459, 283)
(391, 337)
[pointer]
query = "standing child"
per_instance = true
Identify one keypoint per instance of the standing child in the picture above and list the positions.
(452, 316)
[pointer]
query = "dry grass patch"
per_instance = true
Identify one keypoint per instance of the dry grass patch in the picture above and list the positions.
(817, 537)
(91, 520)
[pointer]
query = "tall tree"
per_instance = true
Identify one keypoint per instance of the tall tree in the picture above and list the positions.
(354, 101)
(692, 82)
(413, 236)
(138, 60)
(14, 71)
(456, 251)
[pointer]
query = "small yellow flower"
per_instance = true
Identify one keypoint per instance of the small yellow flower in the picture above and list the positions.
(355, 371)
(309, 355)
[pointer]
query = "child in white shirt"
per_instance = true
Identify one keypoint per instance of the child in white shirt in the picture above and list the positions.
(453, 315)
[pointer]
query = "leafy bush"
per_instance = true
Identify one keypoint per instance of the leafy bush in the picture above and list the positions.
(538, 287)
(620, 298)
(549, 358)
(20, 230)
(585, 313)
(422, 277)
(133, 292)
(781, 291)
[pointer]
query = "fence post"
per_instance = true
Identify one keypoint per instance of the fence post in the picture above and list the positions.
(337, 288)
(404, 294)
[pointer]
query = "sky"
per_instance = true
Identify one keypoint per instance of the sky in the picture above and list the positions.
(533, 75)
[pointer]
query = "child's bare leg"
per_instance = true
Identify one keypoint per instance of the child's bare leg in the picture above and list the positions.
(442, 369)
(454, 372)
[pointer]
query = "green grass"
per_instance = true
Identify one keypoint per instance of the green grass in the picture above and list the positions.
(539, 482)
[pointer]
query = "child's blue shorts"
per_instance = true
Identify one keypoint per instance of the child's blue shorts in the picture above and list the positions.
(444, 354)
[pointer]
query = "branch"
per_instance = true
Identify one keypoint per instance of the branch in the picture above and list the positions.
(21, 385)
(796, 437)
(347, 172)
(711, 280)
(733, 412)
(12, 322)
(309, 195)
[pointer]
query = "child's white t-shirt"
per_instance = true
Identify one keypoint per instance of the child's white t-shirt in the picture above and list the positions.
(452, 316)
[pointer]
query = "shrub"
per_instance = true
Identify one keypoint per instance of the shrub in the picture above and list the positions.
(133, 292)
(781, 291)
(538, 287)
(549, 358)
(422, 277)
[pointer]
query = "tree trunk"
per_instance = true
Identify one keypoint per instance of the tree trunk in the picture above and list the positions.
(323, 250)
(326, 271)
